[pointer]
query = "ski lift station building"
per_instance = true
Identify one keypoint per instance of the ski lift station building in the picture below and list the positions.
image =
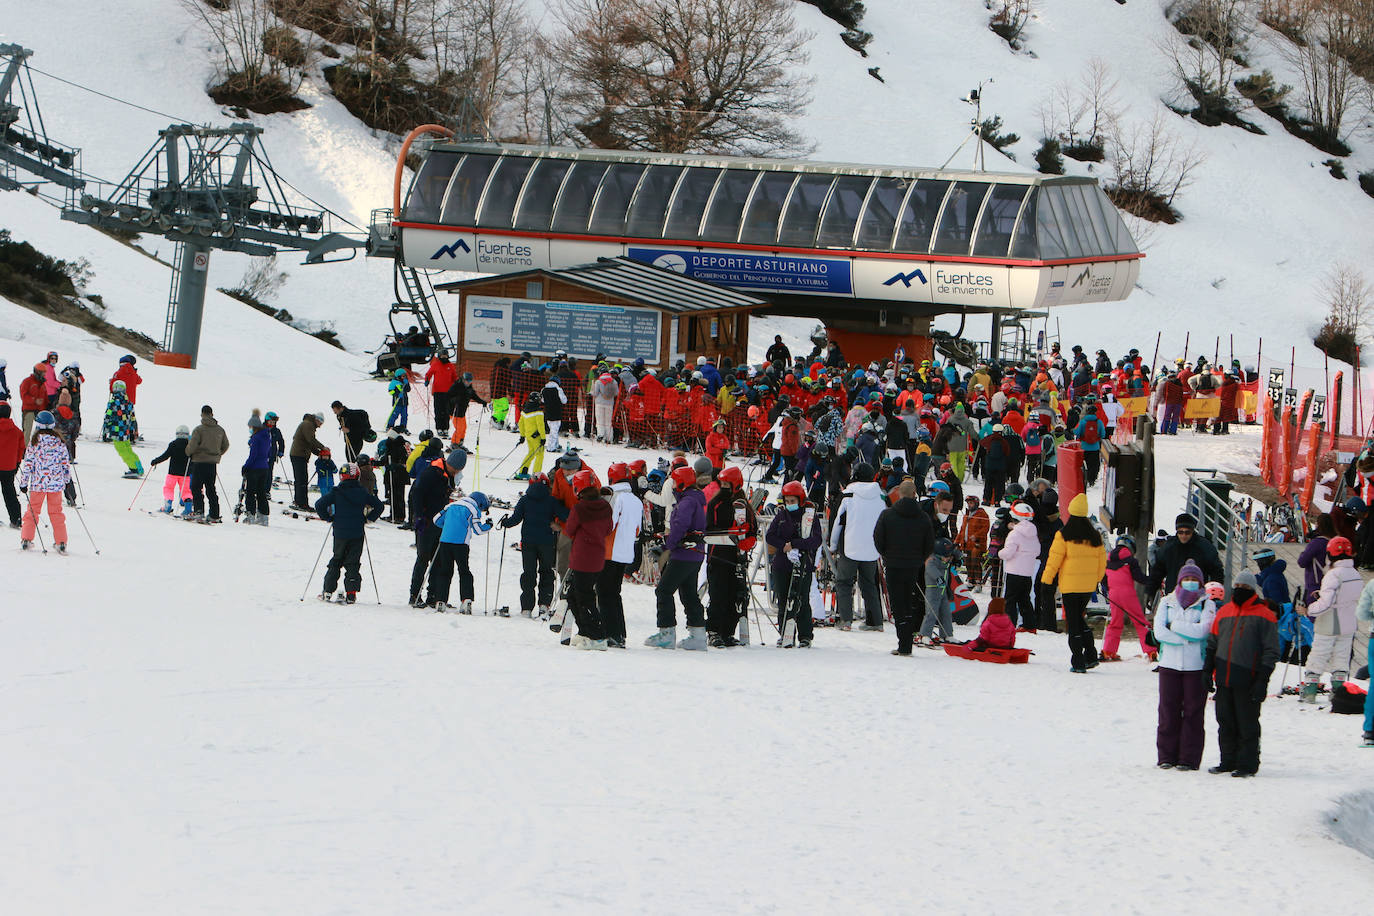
(874, 252)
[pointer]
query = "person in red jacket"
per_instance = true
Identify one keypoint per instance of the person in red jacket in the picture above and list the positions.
(997, 631)
(716, 444)
(1229, 392)
(790, 436)
(440, 378)
(127, 374)
(588, 525)
(33, 395)
(11, 453)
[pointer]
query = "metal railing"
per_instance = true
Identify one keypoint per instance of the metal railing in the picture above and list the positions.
(1209, 501)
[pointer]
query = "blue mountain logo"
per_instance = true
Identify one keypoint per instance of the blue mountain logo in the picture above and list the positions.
(906, 279)
(451, 250)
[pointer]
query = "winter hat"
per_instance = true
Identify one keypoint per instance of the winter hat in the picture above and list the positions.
(44, 420)
(863, 472)
(1245, 579)
(1078, 506)
(183, 432)
(255, 421)
(1184, 520)
(1191, 570)
(702, 466)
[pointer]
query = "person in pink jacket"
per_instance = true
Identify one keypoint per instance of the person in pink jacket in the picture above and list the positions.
(997, 631)
(44, 475)
(1020, 556)
(1123, 572)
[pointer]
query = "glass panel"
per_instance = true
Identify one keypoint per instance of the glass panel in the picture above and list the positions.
(761, 222)
(956, 223)
(1025, 244)
(427, 191)
(460, 206)
(922, 208)
(1054, 197)
(1051, 241)
(880, 216)
(614, 198)
(842, 212)
(1082, 221)
(541, 190)
(503, 191)
(1104, 220)
(1121, 234)
(575, 200)
(999, 219)
(693, 193)
(650, 205)
(722, 223)
(804, 210)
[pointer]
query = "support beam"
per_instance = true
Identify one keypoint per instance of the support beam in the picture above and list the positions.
(195, 270)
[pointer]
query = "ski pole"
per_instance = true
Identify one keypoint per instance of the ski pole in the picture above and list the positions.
(82, 520)
(500, 564)
(507, 455)
(81, 491)
(38, 532)
(136, 492)
(370, 568)
(328, 529)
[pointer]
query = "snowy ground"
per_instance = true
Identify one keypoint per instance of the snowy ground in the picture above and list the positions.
(182, 733)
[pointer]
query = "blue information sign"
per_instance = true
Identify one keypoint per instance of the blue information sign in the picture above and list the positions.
(582, 329)
(747, 270)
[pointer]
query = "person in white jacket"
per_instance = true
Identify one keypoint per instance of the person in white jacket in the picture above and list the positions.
(627, 512)
(1181, 626)
(856, 555)
(1020, 556)
(1333, 620)
(552, 393)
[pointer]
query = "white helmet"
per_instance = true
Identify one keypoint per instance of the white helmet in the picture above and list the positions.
(1022, 512)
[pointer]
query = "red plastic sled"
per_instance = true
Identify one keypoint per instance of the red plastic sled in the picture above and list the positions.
(994, 656)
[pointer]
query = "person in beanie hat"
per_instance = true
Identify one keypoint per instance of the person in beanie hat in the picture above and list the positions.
(1242, 649)
(1185, 545)
(1078, 559)
(348, 509)
(178, 479)
(1181, 626)
(204, 449)
(44, 475)
(257, 471)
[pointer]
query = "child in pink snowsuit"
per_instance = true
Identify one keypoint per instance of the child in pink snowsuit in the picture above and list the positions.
(997, 631)
(1123, 572)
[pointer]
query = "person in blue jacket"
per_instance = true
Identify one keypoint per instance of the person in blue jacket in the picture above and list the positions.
(1272, 577)
(1090, 432)
(459, 522)
(348, 507)
(399, 389)
(257, 472)
(535, 513)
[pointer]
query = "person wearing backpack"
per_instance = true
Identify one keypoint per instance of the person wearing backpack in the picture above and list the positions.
(1090, 432)
(356, 428)
(1333, 612)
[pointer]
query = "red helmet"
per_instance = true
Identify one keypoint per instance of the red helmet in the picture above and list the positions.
(733, 476)
(584, 480)
(1339, 547)
(683, 477)
(325, 453)
(794, 488)
(619, 472)
(350, 472)
(679, 462)
(639, 467)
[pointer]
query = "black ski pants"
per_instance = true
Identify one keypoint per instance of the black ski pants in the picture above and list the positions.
(994, 486)
(1238, 728)
(348, 554)
(1092, 465)
(786, 582)
(441, 576)
(256, 482)
(1020, 605)
(583, 601)
(902, 582)
(11, 496)
(680, 578)
(1082, 648)
(722, 592)
(396, 480)
(203, 488)
(609, 601)
(300, 479)
(426, 544)
(536, 564)
(442, 410)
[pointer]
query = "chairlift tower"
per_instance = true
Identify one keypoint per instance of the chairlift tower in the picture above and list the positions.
(24, 141)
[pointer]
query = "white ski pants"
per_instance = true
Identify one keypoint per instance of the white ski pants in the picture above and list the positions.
(1330, 654)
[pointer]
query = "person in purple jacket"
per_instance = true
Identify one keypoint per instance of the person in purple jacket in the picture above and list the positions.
(795, 536)
(257, 471)
(1313, 558)
(684, 541)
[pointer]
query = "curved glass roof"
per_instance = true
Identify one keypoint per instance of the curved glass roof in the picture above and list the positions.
(767, 202)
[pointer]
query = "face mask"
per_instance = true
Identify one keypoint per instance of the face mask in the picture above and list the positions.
(942, 515)
(1190, 585)
(792, 506)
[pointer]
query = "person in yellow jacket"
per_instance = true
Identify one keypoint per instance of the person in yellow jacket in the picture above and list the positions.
(725, 400)
(1078, 559)
(532, 430)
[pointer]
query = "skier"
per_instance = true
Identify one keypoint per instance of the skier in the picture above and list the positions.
(627, 515)
(532, 431)
(1333, 614)
(1181, 626)
(43, 476)
(730, 517)
(604, 393)
(428, 496)
(459, 521)
(204, 449)
(399, 389)
(1364, 612)
(905, 539)
(795, 536)
(554, 401)
(325, 469)
(1078, 559)
(1242, 649)
(127, 374)
(394, 453)
(937, 604)
(11, 454)
(121, 427)
(257, 472)
(304, 444)
(1185, 545)
(440, 377)
(535, 512)
(1090, 433)
(854, 550)
(177, 477)
(589, 527)
(33, 396)
(347, 508)
(973, 540)
(356, 427)
(461, 396)
(683, 541)
(1123, 572)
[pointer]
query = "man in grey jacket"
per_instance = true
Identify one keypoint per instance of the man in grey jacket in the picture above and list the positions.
(206, 447)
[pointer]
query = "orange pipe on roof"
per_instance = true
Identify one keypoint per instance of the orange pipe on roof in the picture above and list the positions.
(401, 161)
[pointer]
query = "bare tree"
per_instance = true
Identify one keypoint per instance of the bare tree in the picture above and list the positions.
(1325, 63)
(480, 49)
(1151, 165)
(263, 279)
(1081, 113)
(684, 75)
(243, 30)
(1347, 294)
(1212, 34)
(1010, 18)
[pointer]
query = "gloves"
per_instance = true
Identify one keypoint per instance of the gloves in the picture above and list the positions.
(1259, 689)
(23, 489)
(505, 521)
(794, 556)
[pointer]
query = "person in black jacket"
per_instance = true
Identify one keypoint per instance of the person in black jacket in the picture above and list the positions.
(394, 455)
(1241, 653)
(177, 471)
(348, 507)
(905, 539)
(428, 497)
(778, 353)
(356, 428)
(535, 512)
(1185, 545)
(1044, 498)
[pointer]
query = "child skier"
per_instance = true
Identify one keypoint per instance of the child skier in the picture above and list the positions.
(938, 611)
(460, 521)
(43, 476)
(795, 536)
(716, 444)
(532, 431)
(399, 389)
(973, 540)
(324, 471)
(348, 508)
(178, 478)
(121, 427)
(1123, 572)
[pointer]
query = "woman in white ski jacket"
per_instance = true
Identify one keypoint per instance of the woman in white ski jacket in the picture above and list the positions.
(1181, 626)
(1333, 620)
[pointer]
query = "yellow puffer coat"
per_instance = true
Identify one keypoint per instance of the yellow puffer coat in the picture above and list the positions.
(1080, 567)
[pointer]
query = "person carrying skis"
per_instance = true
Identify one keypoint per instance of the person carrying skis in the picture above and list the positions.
(794, 536)
(1181, 626)
(589, 527)
(1123, 572)
(348, 508)
(905, 539)
(535, 512)
(459, 522)
(177, 477)
(428, 496)
(1333, 615)
(1242, 649)
(685, 556)
(257, 472)
(733, 531)
(204, 449)
(399, 389)
(627, 516)
(121, 427)
(43, 476)
(532, 432)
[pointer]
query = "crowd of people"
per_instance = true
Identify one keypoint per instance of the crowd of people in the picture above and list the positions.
(915, 483)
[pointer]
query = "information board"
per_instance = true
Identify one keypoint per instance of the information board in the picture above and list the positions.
(584, 330)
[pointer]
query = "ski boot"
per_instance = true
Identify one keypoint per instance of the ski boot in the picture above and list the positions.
(61, 548)
(249, 518)
(1368, 739)
(262, 519)
(441, 607)
(131, 474)
(526, 612)
(1309, 692)
(503, 612)
(167, 506)
(187, 508)
(543, 612)
(26, 545)
(417, 601)
(872, 628)
(803, 644)
(466, 607)
(326, 596)
(696, 639)
(1109, 657)
(351, 598)
(665, 638)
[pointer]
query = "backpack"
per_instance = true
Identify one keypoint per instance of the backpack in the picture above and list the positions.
(1349, 700)
(1091, 432)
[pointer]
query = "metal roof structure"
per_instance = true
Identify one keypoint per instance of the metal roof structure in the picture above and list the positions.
(630, 279)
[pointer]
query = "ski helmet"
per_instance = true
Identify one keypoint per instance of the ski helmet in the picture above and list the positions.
(683, 477)
(325, 453)
(732, 476)
(1126, 541)
(1339, 546)
(128, 358)
(45, 420)
(584, 480)
(1022, 512)
(399, 373)
(639, 467)
(618, 472)
(1215, 590)
(348, 471)
(795, 489)
(939, 487)
(1265, 555)
(479, 499)
(534, 402)
(270, 417)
